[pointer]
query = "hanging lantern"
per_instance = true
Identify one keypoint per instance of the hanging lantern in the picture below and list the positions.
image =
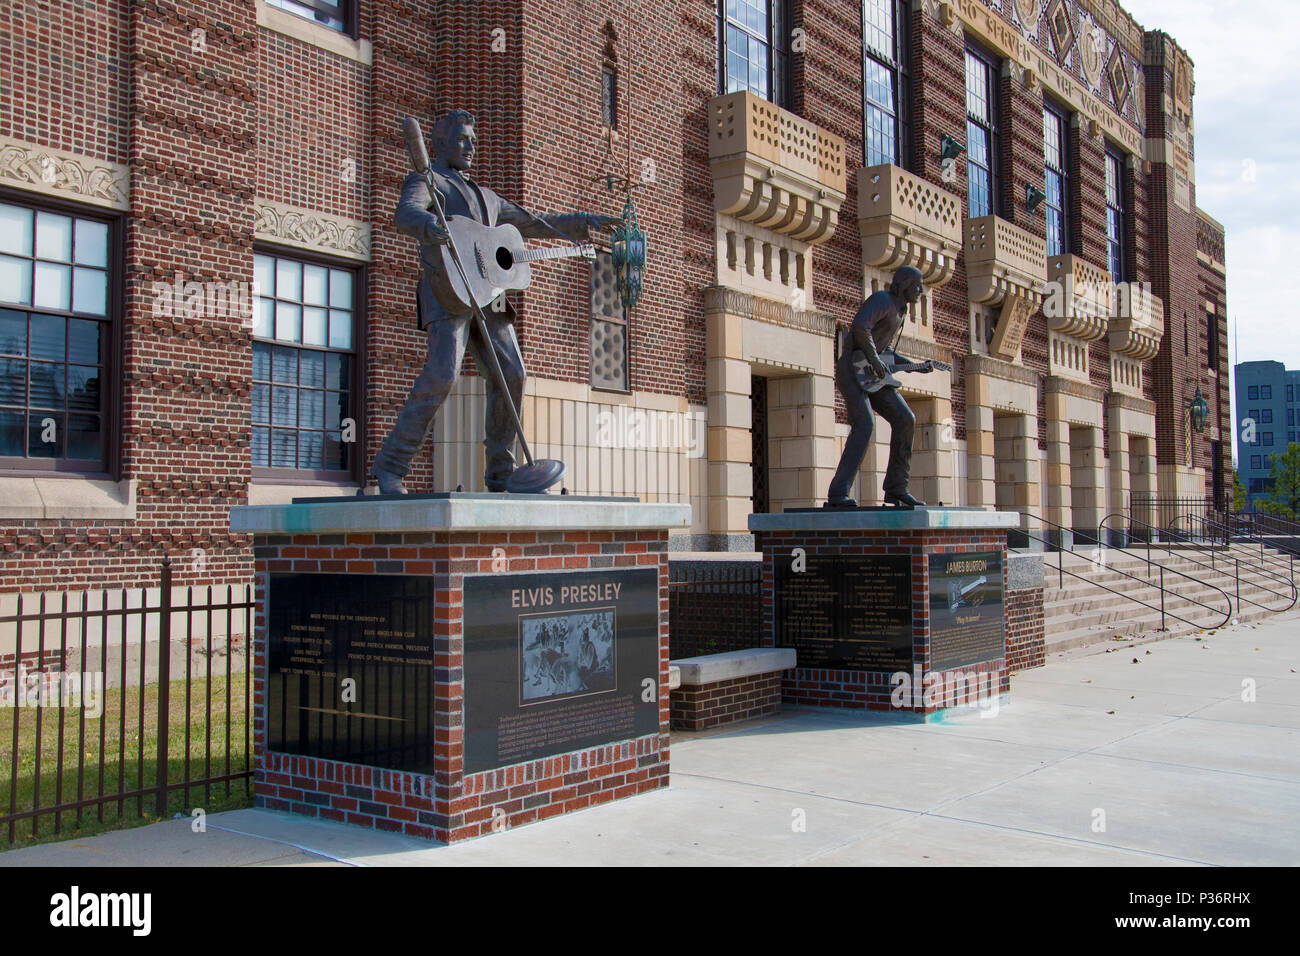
(1199, 411)
(629, 253)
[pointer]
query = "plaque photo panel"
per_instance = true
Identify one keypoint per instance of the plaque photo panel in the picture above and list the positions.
(350, 668)
(967, 617)
(558, 661)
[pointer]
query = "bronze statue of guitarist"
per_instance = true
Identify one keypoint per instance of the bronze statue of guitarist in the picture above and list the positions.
(863, 374)
(449, 329)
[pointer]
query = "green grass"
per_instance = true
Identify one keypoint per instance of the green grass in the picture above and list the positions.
(120, 755)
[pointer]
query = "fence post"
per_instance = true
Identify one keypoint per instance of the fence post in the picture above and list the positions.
(164, 677)
(1237, 577)
(1162, 597)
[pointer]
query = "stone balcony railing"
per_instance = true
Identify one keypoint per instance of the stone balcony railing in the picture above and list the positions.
(1078, 298)
(1138, 321)
(773, 168)
(1003, 260)
(907, 221)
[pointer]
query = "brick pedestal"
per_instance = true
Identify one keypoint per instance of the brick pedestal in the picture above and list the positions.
(447, 543)
(901, 537)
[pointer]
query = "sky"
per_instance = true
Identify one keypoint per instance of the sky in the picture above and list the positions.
(1247, 135)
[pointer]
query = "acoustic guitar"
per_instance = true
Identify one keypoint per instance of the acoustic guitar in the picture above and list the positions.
(496, 261)
(871, 383)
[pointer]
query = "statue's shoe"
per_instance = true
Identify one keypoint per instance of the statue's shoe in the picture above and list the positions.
(841, 503)
(389, 483)
(905, 500)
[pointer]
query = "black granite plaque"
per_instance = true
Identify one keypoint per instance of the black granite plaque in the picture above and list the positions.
(350, 668)
(558, 661)
(967, 619)
(846, 611)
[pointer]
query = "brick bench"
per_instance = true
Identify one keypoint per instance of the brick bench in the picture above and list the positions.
(722, 688)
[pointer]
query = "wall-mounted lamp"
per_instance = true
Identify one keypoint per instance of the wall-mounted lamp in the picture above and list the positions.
(949, 148)
(1034, 198)
(628, 248)
(1199, 412)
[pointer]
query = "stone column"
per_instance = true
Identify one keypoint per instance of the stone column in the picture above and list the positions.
(1059, 472)
(981, 474)
(932, 477)
(1120, 475)
(731, 477)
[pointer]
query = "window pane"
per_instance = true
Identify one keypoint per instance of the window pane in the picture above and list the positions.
(261, 401)
(261, 447)
(53, 286)
(288, 322)
(47, 337)
(314, 281)
(89, 291)
(337, 371)
(311, 409)
(15, 280)
(53, 237)
(288, 279)
(45, 435)
(83, 388)
(264, 319)
(13, 382)
(84, 436)
(261, 362)
(285, 365)
(15, 231)
(45, 389)
(336, 409)
(336, 453)
(92, 244)
(85, 342)
(340, 329)
(11, 431)
(340, 289)
(13, 332)
(313, 326)
(284, 448)
(310, 449)
(284, 406)
(263, 275)
(311, 369)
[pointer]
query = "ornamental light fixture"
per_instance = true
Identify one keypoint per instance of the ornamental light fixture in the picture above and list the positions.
(628, 252)
(949, 148)
(1199, 412)
(1034, 198)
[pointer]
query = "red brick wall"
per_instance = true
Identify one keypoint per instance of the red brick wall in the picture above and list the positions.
(450, 804)
(1025, 633)
(702, 706)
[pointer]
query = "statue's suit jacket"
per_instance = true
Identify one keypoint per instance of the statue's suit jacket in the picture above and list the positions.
(466, 198)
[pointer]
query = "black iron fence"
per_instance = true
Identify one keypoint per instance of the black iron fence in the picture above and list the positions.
(714, 606)
(97, 693)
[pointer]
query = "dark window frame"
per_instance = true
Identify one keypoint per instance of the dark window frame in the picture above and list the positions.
(1266, 393)
(1062, 117)
(1256, 462)
(1117, 245)
(265, 475)
(780, 87)
(111, 417)
(897, 63)
(347, 10)
(993, 72)
(1266, 416)
(1252, 393)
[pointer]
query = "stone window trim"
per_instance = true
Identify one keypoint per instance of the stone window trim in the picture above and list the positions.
(289, 24)
(110, 408)
(65, 497)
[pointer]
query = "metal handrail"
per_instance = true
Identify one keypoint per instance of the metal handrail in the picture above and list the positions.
(1150, 529)
(1210, 528)
(1061, 571)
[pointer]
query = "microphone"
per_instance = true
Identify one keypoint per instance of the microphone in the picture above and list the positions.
(415, 147)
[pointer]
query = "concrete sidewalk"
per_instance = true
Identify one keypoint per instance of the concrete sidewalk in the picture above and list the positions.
(1146, 755)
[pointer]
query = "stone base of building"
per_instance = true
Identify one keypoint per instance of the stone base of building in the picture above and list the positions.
(479, 634)
(888, 609)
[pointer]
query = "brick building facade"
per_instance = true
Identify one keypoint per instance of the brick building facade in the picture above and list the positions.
(202, 290)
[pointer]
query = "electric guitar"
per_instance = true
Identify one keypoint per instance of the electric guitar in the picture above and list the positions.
(872, 383)
(496, 261)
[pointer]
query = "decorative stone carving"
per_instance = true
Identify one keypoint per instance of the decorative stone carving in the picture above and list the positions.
(773, 168)
(1117, 73)
(1004, 260)
(1029, 12)
(1092, 42)
(1077, 300)
(1138, 323)
(58, 173)
(315, 231)
(905, 220)
(1061, 28)
(1182, 83)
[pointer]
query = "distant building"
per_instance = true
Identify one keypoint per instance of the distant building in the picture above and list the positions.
(1268, 406)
